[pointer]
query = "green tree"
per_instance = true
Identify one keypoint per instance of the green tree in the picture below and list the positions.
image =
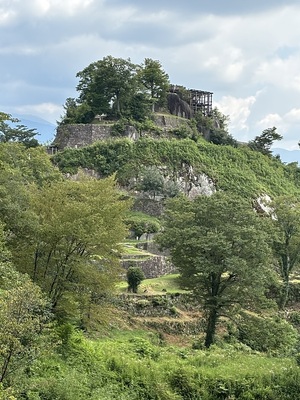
(139, 107)
(20, 167)
(135, 276)
(23, 314)
(152, 181)
(221, 250)
(214, 128)
(76, 113)
(10, 132)
(155, 80)
(105, 82)
(74, 248)
(286, 220)
(264, 142)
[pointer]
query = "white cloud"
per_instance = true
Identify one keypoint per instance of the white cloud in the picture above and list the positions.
(283, 73)
(231, 49)
(48, 111)
(293, 116)
(270, 120)
(6, 16)
(238, 110)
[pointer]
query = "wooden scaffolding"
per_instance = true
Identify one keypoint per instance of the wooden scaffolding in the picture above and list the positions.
(201, 101)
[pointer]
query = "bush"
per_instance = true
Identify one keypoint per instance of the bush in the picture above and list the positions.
(152, 181)
(119, 128)
(272, 335)
(134, 278)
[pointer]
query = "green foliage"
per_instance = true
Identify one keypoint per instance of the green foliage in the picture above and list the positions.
(116, 87)
(152, 181)
(272, 335)
(139, 107)
(76, 113)
(171, 189)
(23, 314)
(140, 223)
(220, 248)
(134, 367)
(286, 220)
(135, 276)
(119, 127)
(182, 132)
(144, 349)
(7, 393)
(105, 81)
(238, 170)
(264, 142)
(13, 132)
(74, 247)
(148, 126)
(155, 80)
(214, 128)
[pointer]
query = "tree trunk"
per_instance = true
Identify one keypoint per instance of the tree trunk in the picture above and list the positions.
(211, 327)
(5, 365)
(285, 293)
(285, 272)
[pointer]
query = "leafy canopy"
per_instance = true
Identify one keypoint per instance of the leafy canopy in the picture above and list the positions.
(74, 247)
(10, 132)
(221, 250)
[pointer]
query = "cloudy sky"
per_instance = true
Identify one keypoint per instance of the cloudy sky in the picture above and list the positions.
(247, 52)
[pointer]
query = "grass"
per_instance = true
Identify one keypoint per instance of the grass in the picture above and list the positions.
(155, 286)
(130, 249)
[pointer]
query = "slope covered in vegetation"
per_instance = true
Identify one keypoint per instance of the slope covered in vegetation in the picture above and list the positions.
(239, 170)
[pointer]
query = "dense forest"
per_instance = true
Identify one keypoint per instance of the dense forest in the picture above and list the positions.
(76, 324)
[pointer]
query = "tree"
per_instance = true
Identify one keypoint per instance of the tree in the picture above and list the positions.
(155, 80)
(134, 278)
(74, 248)
(23, 313)
(152, 181)
(221, 250)
(106, 82)
(9, 132)
(20, 167)
(286, 220)
(76, 113)
(264, 142)
(214, 128)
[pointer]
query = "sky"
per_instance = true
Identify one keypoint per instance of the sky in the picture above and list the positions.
(247, 52)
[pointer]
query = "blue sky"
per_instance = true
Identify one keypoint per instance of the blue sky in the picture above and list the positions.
(246, 52)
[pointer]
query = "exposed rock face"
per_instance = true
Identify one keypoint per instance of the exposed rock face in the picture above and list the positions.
(193, 184)
(262, 205)
(178, 107)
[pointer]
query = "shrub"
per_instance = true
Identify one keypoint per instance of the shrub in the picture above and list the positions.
(272, 335)
(134, 278)
(152, 181)
(119, 128)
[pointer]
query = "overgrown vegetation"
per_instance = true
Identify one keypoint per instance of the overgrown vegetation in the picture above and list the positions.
(239, 170)
(138, 367)
(225, 327)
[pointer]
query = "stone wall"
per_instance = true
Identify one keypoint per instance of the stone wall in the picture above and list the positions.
(79, 135)
(152, 267)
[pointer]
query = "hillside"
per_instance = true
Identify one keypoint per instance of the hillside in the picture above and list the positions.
(238, 170)
(98, 341)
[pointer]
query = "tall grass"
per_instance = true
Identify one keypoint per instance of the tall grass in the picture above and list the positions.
(136, 366)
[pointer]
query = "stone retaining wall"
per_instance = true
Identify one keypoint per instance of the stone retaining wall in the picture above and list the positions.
(152, 267)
